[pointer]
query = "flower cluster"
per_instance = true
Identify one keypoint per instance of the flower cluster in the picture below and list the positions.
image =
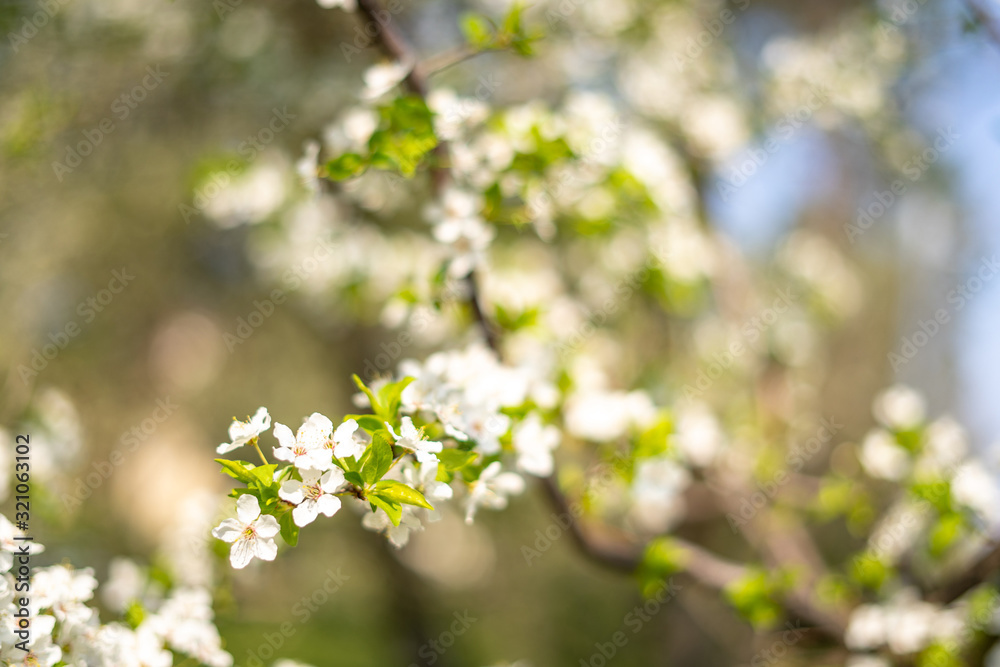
(66, 630)
(459, 419)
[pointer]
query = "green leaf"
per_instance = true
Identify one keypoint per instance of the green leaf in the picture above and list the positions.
(134, 614)
(455, 459)
(393, 509)
(401, 493)
(390, 397)
(661, 559)
(355, 478)
(477, 30)
(238, 470)
(381, 454)
(368, 392)
(264, 475)
(370, 423)
(346, 166)
(289, 531)
(754, 596)
(946, 531)
(365, 467)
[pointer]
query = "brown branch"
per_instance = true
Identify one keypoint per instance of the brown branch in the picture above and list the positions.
(987, 565)
(623, 556)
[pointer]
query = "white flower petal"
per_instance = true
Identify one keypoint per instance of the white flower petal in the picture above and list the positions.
(242, 552)
(247, 508)
(306, 513)
(291, 490)
(265, 549)
(228, 530)
(328, 504)
(267, 526)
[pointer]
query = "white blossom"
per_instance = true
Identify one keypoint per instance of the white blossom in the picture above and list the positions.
(344, 442)
(251, 534)
(411, 438)
(313, 495)
(240, 433)
(307, 448)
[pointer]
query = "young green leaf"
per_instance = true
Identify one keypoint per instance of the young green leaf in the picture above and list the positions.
(390, 397)
(239, 470)
(355, 478)
(455, 459)
(289, 531)
(368, 392)
(477, 30)
(345, 166)
(370, 423)
(401, 493)
(393, 509)
(381, 454)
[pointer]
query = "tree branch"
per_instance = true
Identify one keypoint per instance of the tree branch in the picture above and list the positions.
(988, 564)
(702, 565)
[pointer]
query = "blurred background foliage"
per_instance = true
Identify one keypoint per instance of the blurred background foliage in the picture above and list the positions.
(226, 68)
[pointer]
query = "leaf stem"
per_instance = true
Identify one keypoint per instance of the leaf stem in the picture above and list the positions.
(257, 447)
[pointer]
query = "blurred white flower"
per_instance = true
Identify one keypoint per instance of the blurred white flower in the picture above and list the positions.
(492, 489)
(399, 535)
(882, 457)
(346, 5)
(380, 79)
(698, 436)
(534, 442)
(899, 408)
